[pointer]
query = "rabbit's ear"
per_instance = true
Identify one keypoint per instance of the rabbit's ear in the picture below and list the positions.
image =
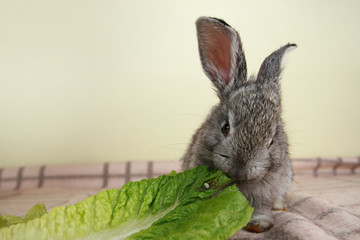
(221, 54)
(272, 66)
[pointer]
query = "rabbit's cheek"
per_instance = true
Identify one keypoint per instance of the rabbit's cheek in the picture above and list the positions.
(223, 164)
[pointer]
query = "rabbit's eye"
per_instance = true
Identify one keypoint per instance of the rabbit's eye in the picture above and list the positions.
(225, 129)
(270, 143)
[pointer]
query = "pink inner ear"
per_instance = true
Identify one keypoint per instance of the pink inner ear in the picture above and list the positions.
(218, 49)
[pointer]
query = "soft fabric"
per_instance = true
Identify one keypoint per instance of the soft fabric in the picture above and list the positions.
(323, 202)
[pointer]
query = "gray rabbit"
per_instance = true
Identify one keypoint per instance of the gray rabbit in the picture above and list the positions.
(244, 134)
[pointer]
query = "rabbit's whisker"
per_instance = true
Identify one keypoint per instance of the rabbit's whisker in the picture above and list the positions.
(210, 151)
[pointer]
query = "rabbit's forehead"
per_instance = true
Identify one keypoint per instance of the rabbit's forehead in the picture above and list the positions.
(252, 105)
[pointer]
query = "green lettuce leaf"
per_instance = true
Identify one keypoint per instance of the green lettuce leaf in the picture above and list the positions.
(187, 205)
(3, 222)
(36, 211)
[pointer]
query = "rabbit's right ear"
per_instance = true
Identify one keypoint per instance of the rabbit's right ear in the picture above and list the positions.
(221, 54)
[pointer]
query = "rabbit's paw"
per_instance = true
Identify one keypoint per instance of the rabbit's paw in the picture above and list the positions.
(279, 205)
(260, 223)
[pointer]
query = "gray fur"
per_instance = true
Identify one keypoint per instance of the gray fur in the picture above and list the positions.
(255, 151)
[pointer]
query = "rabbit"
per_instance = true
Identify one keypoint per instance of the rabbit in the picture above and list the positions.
(243, 135)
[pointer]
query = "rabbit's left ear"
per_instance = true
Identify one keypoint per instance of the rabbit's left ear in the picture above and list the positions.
(221, 54)
(272, 66)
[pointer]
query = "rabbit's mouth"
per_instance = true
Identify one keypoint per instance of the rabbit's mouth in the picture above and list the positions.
(246, 180)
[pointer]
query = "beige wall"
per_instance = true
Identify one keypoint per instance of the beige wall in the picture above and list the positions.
(86, 81)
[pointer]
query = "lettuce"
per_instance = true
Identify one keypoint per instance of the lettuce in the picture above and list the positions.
(193, 204)
(36, 211)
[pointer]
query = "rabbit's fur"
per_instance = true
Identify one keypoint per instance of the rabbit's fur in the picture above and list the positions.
(244, 134)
